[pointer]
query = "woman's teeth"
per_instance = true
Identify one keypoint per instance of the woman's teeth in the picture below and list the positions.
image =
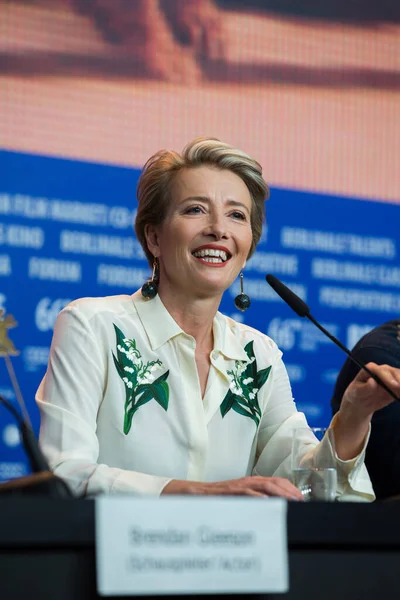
(209, 259)
(211, 255)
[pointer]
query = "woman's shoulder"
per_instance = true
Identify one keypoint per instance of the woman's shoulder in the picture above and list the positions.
(103, 306)
(99, 319)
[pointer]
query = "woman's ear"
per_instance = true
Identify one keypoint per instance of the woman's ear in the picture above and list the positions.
(152, 241)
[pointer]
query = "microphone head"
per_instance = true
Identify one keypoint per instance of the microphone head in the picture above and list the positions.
(295, 303)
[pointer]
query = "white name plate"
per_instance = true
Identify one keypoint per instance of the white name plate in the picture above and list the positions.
(192, 545)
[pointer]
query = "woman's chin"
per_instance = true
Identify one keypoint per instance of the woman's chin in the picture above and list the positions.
(211, 286)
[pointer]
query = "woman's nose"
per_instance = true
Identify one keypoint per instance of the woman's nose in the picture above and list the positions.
(217, 228)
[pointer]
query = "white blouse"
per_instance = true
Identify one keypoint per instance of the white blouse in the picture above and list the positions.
(122, 411)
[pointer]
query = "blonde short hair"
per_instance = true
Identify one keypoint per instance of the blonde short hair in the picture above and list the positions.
(153, 191)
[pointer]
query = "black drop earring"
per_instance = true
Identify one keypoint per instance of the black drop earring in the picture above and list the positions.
(242, 301)
(150, 288)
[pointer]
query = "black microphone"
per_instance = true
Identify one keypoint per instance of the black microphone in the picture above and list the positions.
(50, 483)
(303, 310)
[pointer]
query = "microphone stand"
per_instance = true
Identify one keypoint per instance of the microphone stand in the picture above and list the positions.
(302, 310)
(359, 364)
(42, 479)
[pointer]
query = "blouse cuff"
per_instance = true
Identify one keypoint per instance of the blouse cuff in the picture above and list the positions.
(139, 484)
(354, 484)
(347, 466)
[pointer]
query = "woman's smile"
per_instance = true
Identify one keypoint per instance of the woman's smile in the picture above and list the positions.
(212, 255)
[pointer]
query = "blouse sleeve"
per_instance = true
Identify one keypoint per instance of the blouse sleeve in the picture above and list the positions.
(69, 398)
(274, 442)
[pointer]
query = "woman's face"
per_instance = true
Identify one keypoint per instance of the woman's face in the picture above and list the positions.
(206, 236)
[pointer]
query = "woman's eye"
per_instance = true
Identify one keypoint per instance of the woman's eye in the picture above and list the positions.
(238, 215)
(193, 210)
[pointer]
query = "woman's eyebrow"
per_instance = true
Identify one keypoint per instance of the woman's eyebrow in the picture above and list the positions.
(229, 202)
(237, 203)
(199, 198)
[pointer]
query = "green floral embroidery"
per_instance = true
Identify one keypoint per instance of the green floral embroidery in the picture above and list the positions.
(140, 383)
(246, 382)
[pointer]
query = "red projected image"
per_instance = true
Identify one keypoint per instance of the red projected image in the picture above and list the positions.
(312, 92)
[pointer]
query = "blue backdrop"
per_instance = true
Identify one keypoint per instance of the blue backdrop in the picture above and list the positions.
(66, 232)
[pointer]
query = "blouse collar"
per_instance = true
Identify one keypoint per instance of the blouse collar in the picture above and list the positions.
(160, 327)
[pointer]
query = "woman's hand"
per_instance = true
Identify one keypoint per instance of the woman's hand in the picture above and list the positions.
(361, 399)
(364, 395)
(245, 486)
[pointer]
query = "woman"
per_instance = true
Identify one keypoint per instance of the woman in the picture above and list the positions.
(158, 393)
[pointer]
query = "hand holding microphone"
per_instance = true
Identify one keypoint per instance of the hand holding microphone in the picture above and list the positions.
(375, 386)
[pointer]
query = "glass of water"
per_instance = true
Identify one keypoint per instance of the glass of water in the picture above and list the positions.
(314, 470)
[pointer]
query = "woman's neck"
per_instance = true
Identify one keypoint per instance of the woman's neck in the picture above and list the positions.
(194, 315)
